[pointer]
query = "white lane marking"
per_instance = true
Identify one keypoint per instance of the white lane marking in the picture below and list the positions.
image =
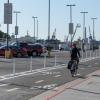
(10, 90)
(57, 76)
(81, 68)
(89, 66)
(39, 81)
(2, 77)
(10, 76)
(3, 85)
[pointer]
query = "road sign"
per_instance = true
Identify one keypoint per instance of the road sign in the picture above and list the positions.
(71, 28)
(8, 13)
(16, 30)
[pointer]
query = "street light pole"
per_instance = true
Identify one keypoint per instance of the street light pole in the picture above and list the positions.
(93, 32)
(16, 12)
(16, 27)
(84, 28)
(7, 32)
(71, 11)
(34, 26)
(49, 21)
(71, 23)
(84, 24)
(37, 28)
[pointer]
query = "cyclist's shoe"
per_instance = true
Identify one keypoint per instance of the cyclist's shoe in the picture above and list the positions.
(73, 75)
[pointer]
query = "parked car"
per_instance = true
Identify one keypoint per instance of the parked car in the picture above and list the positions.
(16, 51)
(32, 49)
(35, 49)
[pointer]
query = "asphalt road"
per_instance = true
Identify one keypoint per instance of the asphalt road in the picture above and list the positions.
(24, 64)
(30, 84)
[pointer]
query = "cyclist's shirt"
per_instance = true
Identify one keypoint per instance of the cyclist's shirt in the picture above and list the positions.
(75, 53)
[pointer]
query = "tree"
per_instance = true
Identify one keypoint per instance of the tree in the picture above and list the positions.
(4, 35)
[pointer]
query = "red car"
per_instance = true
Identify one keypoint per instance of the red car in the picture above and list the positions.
(32, 49)
(16, 51)
(35, 49)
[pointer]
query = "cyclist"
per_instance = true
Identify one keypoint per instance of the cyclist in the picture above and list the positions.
(75, 54)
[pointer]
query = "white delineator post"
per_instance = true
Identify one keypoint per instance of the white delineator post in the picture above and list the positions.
(31, 64)
(55, 60)
(45, 60)
(13, 66)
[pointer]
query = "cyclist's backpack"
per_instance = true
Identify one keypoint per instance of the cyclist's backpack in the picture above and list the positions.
(70, 64)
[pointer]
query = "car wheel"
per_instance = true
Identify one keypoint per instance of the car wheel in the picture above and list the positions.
(29, 54)
(19, 54)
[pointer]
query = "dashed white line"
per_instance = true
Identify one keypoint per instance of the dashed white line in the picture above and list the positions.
(3, 85)
(81, 68)
(39, 81)
(10, 90)
(57, 76)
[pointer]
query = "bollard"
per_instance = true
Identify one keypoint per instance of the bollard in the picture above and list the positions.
(93, 54)
(96, 53)
(90, 54)
(55, 60)
(13, 66)
(82, 54)
(86, 53)
(44, 61)
(31, 64)
(99, 52)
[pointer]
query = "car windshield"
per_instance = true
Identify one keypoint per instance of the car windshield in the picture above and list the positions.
(4, 46)
(13, 44)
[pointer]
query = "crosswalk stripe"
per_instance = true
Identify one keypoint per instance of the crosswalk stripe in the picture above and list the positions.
(57, 76)
(3, 85)
(10, 90)
(39, 81)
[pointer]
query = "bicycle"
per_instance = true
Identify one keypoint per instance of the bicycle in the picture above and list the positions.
(73, 69)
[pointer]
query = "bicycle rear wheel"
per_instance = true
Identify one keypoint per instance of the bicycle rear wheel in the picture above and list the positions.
(73, 69)
(72, 73)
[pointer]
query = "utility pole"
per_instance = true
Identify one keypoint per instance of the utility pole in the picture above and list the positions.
(84, 29)
(93, 32)
(71, 26)
(7, 30)
(34, 26)
(7, 20)
(7, 17)
(37, 28)
(49, 21)
(16, 27)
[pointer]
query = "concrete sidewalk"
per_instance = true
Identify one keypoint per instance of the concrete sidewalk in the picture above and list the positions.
(80, 89)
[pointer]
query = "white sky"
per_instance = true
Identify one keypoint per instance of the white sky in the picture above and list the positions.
(59, 16)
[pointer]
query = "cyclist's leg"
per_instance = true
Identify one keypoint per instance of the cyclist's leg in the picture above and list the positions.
(72, 68)
(76, 67)
(76, 72)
